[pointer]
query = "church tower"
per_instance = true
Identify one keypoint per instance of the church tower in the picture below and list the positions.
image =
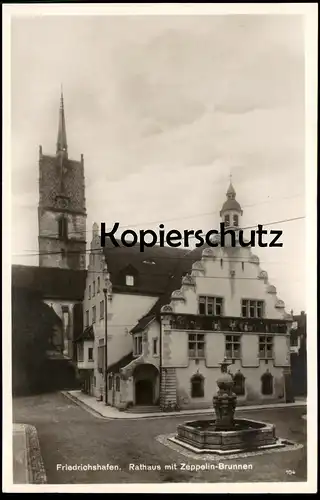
(62, 206)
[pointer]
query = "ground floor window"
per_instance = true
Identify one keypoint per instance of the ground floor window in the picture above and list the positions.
(239, 386)
(197, 386)
(118, 384)
(110, 382)
(267, 384)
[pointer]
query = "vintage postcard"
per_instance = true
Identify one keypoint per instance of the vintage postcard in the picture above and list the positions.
(159, 248)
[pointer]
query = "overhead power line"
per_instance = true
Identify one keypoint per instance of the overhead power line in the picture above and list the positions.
(190, 237)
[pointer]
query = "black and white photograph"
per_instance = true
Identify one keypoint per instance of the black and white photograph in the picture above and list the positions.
(159, 248)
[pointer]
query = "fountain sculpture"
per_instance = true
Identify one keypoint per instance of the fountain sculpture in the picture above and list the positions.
(225, 434)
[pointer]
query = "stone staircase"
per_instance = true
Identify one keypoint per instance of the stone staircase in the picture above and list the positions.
(168, 387)
(144, 409)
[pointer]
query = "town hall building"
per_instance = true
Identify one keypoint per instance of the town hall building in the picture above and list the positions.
(159, 323)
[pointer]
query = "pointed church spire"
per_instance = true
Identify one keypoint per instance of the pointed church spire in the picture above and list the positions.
(62, 146)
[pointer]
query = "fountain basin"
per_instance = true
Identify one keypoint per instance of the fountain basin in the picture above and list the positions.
(247, 435)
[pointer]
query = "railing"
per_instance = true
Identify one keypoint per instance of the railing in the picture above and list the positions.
(228, 324)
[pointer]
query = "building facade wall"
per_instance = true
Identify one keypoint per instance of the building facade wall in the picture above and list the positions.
(123, 310)
(212, 277)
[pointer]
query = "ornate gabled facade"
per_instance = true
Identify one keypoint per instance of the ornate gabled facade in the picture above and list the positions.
(62, 206)
(216, 303)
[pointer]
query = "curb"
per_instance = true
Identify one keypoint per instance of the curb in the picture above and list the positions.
(36, 470)
(85, 407)
(97, 414)
(33, 464)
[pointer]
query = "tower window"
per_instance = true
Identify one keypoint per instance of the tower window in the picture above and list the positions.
(236, 220)
(63, 228)
(129, 280)
(227, 220)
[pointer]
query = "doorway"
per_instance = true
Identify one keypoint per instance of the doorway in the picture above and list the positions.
(144, 392)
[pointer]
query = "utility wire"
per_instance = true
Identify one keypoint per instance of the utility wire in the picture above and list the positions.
(122, 246)
(205, 214)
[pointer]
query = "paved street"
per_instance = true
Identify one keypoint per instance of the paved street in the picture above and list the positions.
(70, 435)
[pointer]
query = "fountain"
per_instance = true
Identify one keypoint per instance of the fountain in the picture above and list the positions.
(226, 434)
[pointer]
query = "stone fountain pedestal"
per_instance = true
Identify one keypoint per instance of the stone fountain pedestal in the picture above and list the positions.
(225, 434)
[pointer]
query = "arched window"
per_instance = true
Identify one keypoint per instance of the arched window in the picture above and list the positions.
(236, 220)
(267, 384)
(197, 386)
(239, 386)
(227, 220)
(118, 384)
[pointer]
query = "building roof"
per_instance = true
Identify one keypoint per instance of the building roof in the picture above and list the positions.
(142, 323)
(152, 269)
(124, 361)
(182, 267)
(50, 282)
(231, 204)
(87, 334)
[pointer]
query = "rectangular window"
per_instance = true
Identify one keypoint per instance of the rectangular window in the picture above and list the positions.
(90, 354)
(63, 228)
(129, 280)
(236, 220)
(93, 289)
(265, 347)
(137, 347)
(196, 345)
(89, 294)
(94, 317)
(80, 353)
(86, 321)
(110, 382)
(98, 285)
(233, 346)
(211, 306)
(102, 309)
(118, 384)
(252, 308)
(101, 356)
(155, 347)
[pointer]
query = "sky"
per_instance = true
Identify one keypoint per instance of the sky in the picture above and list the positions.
(164, 109)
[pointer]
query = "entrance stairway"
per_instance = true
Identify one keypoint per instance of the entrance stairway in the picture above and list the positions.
(144, 409)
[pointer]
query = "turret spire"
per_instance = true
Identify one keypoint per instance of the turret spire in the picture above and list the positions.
(62, 146)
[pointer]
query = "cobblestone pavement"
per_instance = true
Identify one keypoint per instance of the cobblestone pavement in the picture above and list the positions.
(70, 436)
